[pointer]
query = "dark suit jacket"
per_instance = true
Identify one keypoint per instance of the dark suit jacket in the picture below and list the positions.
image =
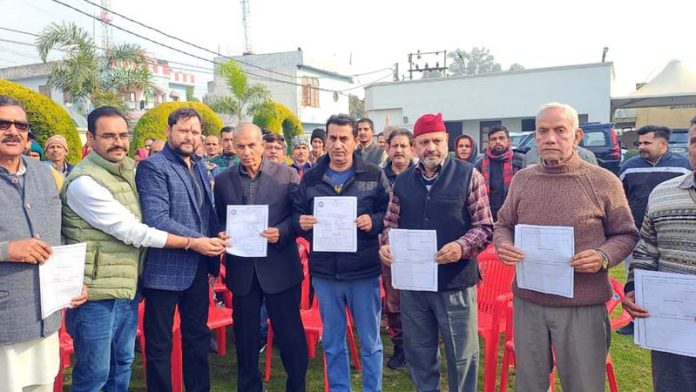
(168, 202)
(281, 269)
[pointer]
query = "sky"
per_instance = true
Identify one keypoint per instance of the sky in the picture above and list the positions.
(359, 36)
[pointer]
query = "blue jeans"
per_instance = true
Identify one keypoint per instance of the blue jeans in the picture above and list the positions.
(363, 299)
(103, 335)
(453, 315)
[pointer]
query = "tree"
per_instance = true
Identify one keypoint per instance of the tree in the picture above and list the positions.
(279, 119)
(46, 117)
(356, 106)
(516, 67)
(478, 61)
(246, 99)
(89, 75)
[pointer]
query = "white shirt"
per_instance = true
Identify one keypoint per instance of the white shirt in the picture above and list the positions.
(97, 206)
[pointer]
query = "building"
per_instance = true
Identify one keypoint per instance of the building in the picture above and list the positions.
(474, 103)
(313, 94)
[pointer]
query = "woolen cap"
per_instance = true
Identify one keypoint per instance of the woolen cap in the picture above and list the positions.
(428, 123)
(57, 139)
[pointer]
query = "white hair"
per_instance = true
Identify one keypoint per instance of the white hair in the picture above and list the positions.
(247, 126)
(568, 111)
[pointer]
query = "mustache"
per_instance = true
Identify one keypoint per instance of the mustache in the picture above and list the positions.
(11, 139)
(117, 149)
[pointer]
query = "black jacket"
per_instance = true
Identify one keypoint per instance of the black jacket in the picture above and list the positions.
(281, 269)
(371, 188)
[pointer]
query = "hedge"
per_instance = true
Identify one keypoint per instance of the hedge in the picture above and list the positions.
(277, 118)
(47, 118)
(154, 123)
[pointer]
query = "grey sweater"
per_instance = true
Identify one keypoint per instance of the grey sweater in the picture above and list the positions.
(35, 212)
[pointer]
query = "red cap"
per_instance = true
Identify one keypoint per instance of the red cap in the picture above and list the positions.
(429, 123)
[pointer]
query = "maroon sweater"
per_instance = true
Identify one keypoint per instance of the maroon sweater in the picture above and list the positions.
(577, 194)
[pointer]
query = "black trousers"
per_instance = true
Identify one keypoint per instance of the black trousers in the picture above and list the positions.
(195, 336)
(284, 312)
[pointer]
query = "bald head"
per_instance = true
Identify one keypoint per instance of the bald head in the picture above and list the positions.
(248, 129)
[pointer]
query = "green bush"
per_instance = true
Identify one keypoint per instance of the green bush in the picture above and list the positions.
(154, 123)
(277, 118)
(46, 117)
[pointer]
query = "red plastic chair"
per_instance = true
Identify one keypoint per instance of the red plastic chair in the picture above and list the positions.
(66, 349)
(220, 288)
(616, 323)
(493, 293)
(177, 355)
(218, 320)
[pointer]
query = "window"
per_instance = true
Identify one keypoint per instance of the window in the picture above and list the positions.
(594, 139)
(310, 92)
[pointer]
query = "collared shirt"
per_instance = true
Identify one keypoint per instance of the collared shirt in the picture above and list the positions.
(473, 241)
(250, 185)
(430, 180)
(98, 207)
(689, 182)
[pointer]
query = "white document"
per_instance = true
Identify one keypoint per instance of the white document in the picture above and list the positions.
(244, 226)
(336, 230)
(414, 267)
(671, 302)
(546, 264)
(61, 277)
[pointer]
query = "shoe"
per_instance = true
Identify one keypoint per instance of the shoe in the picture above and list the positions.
(398, 360)
(627, 330)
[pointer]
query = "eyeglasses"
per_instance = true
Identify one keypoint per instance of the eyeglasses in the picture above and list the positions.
(21, 126)
(111, 137)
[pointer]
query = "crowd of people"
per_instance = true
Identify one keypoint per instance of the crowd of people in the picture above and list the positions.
(172, 201)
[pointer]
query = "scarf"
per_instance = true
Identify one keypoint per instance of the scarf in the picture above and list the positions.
(508, 170)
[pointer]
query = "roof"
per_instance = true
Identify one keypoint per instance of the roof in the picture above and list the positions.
(675, 85)
(330, 74)
(501, 73)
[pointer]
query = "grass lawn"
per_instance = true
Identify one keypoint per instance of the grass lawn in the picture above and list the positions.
(632, 366)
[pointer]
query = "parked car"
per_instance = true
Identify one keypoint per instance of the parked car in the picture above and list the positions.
(517, 138)
(601, 139)
(679, 142)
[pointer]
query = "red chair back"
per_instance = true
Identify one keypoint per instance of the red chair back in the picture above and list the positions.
(496, 279)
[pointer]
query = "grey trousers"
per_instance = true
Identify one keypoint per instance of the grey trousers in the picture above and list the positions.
(454, 315)
(580, 338)
(672, 372)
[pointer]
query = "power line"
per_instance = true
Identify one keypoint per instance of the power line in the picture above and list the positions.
(187, 53)
(182, 40)
(18, 31)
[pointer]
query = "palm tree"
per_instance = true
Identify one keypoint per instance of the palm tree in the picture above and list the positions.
(88, 74)
(245, 101)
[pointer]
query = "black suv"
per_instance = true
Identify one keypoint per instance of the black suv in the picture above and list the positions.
(601, 139)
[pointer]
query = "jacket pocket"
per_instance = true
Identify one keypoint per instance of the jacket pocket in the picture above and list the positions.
(95, 266)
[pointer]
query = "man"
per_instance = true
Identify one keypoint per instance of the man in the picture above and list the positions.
(276, 278)
(318, 141)
(57, 151)
(300, 155)
(177, 198)
(156, 147)
(342, 279)
(228, 157)
(564, 190)
(274, 149)
(29, 227)
(148, 143)
(498, 164)
(382, 141)
(449, 196)
(400, 152)
(641, 174)
(212, 146)
(367, 149)
(101, 207)
(666, 244)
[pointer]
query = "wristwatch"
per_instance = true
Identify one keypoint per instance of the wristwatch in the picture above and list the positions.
(605, 260)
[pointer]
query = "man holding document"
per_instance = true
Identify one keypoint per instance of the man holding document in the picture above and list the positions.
(667, 245)
(270, 270)
(29, 230)
(444, 204)
(547, 203)
(340, 204)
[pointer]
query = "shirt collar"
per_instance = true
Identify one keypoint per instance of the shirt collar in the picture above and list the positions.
(420, 167)
(22, 168)
(688, 183)
(243, 169)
